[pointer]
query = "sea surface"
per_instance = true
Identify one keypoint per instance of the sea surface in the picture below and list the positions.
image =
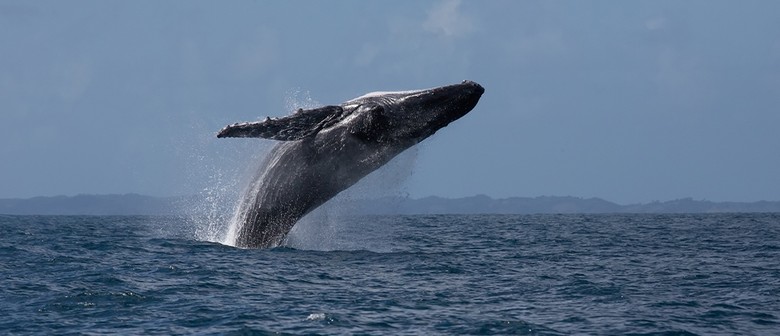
(708, 274)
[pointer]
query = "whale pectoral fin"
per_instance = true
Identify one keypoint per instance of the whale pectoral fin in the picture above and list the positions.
(299, 125)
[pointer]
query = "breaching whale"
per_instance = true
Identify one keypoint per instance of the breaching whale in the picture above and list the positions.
(325, 150)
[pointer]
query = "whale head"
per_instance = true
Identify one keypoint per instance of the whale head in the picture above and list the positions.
(411, 115)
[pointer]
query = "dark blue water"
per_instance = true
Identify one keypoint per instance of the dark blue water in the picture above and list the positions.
(542, 274)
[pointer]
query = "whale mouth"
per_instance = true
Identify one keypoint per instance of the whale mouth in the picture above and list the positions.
(477, 88)
(466, 94)
(461, 97)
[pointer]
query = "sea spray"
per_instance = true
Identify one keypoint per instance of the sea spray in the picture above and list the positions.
(298, 99)
(210, 214)
(214, 173)
(218, 213)
(246, 198)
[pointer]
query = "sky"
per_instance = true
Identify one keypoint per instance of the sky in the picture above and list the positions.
(629, 101)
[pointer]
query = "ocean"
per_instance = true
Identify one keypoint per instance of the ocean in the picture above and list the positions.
(697, 274)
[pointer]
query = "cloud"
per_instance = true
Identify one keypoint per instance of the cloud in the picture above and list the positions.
(446, 20)
(656, 23)
(368, 52)
(436, 43)
(542, 44)
(255, 54)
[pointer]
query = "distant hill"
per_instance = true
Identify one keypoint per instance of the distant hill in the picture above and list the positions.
(128, 204)
(550, 204)
(134, 204)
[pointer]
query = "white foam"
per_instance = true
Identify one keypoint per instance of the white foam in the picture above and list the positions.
(316, 317)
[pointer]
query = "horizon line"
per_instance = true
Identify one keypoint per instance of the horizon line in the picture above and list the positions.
(688, 198)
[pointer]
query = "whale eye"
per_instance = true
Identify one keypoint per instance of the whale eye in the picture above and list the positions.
(370, 123)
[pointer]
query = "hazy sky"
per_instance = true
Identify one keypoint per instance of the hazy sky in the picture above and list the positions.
(631, 101)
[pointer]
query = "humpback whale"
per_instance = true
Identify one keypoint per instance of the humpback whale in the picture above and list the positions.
(323, 151)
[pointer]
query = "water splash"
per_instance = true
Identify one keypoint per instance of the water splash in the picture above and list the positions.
(210, 213)
(218, 214)
(245, 198)
(214, 171)
(298, 99)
